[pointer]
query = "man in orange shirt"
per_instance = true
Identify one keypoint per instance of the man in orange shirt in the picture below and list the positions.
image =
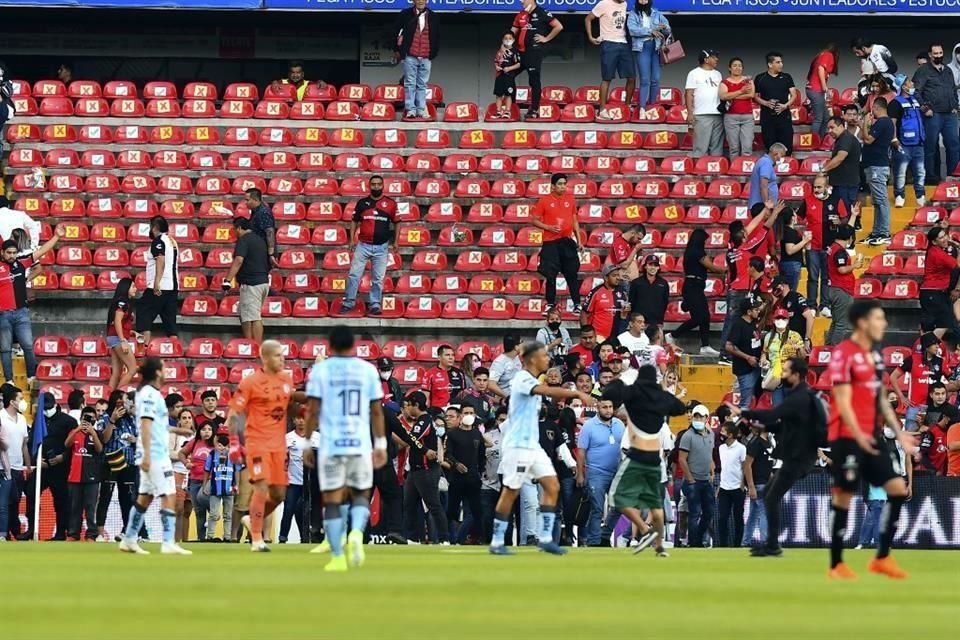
(263, 398)
(556, 215)
(953, 450)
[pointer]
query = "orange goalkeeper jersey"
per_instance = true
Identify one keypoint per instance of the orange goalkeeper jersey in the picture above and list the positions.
(264, 398)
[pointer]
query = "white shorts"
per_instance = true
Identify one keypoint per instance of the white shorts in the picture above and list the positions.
(159, 481)
(337, 472)
(519, 465)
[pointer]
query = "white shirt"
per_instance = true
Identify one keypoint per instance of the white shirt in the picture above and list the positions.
(177, 442)
(296, 444)
(731, 465)
(11, 219)
(874, 62)
(635, 345)
(346, 386)
(667, 441)
(14, 435)
(706, 91)
(163, 245)
(503, 370)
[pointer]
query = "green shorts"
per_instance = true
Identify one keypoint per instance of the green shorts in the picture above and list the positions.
(637, 486)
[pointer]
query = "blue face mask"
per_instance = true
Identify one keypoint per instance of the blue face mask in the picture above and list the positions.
(911, 91)
(698, 425)
(441, 431)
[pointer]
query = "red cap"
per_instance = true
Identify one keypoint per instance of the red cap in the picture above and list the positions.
(781, 312)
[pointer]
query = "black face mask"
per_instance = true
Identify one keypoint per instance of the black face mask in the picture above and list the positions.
(894, 404)
(938, 60)
(376, 193)
(554, 326)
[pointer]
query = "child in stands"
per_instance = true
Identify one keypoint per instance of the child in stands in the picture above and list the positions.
(506, 63)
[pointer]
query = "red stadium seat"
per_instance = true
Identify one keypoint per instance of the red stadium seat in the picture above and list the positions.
(900, 289)
(578, 113)
(651, 189)
(423, 308)
(429, 261)
(508, 188)
(885, 264)
(461, 112)
(77, 281)
(159, 89)
(108, 232)
(485, 212)
(69, 207)
(477, 139)
(165, 134)
(59, 158)
(20, 132)
(55, 370)
(914, 265)
(927, 216)
(118, 89)
(163, 108)
(723, 189)
(319, 161)
(615, 188)
(356, 93)
(128, 159)
(246, 91)
(557, 139)
(653, 114)
(909, 241)
(590, 139)
(472, 261)
(52, 107)
(519, 139)
(346, 137)
(702, 214)
(662, 140)
(59, 133)
(51, 347)
(317, 186)
(127, 108)
(198, 109)
(276, 137)
(102, 183)
(378, 112)
(497, 309)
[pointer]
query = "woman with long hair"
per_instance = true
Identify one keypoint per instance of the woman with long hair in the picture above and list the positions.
(468, 363)
(779, 345)
(123, 360)
(194, 454)
(649, 29)
(878, 87)
(825, 64)
(791, 245)
(118, 432)
(696, 266)
(737, 89)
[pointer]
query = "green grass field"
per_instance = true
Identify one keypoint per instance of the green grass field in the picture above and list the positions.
(94, 591)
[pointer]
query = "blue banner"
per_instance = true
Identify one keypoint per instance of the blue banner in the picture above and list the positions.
(140, 4)
(682, 6)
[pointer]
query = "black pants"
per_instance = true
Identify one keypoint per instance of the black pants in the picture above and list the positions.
(56, 482)
(695, 302)
(293, 508)
(150, 306)
(936, 312)
(126, 484)
(423, 485)
(19, 484)
(775, 129)
(560, 257)
(730, 501)
(781, 482)
(531, 61)
(467, 492)
(83, 502)
(391, 499)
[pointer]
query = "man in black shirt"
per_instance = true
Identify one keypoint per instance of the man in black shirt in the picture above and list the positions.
(843, 167)
(370, 229)
(263, 223)
(649, 294)
(55, 460)
(251, 268)
(937, 92)
(386, 482)
(756, 474)
(423, 481)
(776, 93)
(744, 346)
(556, 434)
(801, 314)
(534, 27)
(466, 454)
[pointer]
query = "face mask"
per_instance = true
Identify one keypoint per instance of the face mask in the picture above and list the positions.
(376, 193)
(698, 425)
(50, 412)
(441, 431)
(22, 406)
(822, 196)
(911, 91)
(468, 420)
(937, 60)
(889, 433)
(554, 326)
(385, 375)
(577, 411)
(508, 43)
(780, 324)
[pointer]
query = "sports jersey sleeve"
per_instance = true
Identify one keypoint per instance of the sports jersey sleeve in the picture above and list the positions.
(359, 209)
(208, 464)
(906, 365)
(157, 247)
(547, 17)
(315, 382)
(148, 406)
(839, 367)
(516, 21)
(524, 384)
(27, 261)
(240, 399)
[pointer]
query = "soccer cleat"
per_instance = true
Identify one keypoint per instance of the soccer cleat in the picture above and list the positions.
(173, 549)
(501, 550)
(132, 547)
(841, 572)
(324, 547)
(552, 547)
(645, 541)
(355, 549)
(337, 564)
(888, 567)
(766, 552)
(259, 547)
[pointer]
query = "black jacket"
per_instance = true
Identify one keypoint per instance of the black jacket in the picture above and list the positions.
(405, 27)
(650, 299)
(646, 403)
(936, 89)
(59, 427)
(793, 422)
(422, 438)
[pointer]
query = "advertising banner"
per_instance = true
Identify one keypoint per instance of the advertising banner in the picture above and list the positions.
(140, 4)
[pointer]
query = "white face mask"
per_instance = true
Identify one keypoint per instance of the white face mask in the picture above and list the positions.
(698, 425)
(822, 196)
(385, 375)
(508, 43)
(468, 419)
(22, 406)
(50, 412)
(577, 411)
(780, 324)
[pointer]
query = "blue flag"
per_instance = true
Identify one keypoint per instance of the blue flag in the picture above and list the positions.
(39, 427)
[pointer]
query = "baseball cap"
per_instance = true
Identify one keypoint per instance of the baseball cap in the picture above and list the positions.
(608, 269)
(927, 340)
(701, 410)
(384, 363)
(615, 356)
(652, 259)
(781, 313)
(707, 53)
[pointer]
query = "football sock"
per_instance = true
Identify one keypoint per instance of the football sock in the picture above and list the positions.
(359, 514)
(135, 521)
(500, 522)
(169, 520)
(345, 513)
(838, 526)
(333, 526)
(269, 507)
(889, 518)
(548, 515)
(258, 503)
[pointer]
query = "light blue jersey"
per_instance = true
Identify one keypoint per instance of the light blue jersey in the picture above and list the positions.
(151, 404)
(345, 386)
(523, 418)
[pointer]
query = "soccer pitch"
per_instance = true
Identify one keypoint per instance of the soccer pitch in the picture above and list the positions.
(94, 591)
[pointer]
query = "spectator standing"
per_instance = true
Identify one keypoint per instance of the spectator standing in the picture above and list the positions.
(423, 481)
(763, 178)
(606, 303)
(14, 306)
(65, 73)
(123, 361)
(919, 371)
(418, 43)
(465, 451)
(745, 347)
(598, 456)
(556, 215)
(937, 296)
(937, 93)
(534, 27)
(391, 388)
(648, 29)
(696, 461)
(506, 366)
(779, 345)
(843, 167)
(870, 527)
(297, 78)
(879, 88)
(825, 64)
(370, 230)
(13, 438)
(55, 462)
(297, 443)
(744, 242)
(251, 270)
(554, 335)
(263, 223)
(479, 397)
(696, 266)
(823, 209)
(907, 113)
(702, 99)
(506, 64)
(616, 58)
(757, 468)
(878, 135)
(626, 248)
(209, 415)
(220, 477)
(730, 494)
(843, 283)
(776, 94)
(875, 58)
(117, 429)
(163, 277)
(86, 465)
(443, 381)
(738, 92)
(649, 293)
(634, 338)
(194, 454)
(800, 315)
(584, 348)
(490, 481)
(792, 245)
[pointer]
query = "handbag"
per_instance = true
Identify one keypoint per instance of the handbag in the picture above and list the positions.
(671, 51)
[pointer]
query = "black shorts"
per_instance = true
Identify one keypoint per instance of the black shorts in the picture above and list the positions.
(150, 306)
(505, 85)
(559, 256)
(852, 465)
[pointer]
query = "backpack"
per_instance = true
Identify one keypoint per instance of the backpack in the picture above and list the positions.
(821, 416)
(911, 124)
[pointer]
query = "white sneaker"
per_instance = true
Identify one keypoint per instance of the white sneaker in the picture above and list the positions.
(899, 202)
(604, 115)
(709, 351)
(858, 547)
(173, 549)
(131, 546)
(921, 201)
(259, 547)
(825, 313)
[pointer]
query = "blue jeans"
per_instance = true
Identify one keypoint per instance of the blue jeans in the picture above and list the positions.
(599, 524)
(790, 270)
(529, 505)
(201, 504)
(701, 508)
(416, 75)
(870, 529)
(849, 195)
(648, 72)
(6, 487)
(16, 324)
(756, 516)
(818, 107)
(377, 255)
(734, 298)
(747, 384)
(944, 124)
(910, 420)
(566, 497)
(777, 396)
(912, 157)
(293, 508)
(877, 178)
(817, 279)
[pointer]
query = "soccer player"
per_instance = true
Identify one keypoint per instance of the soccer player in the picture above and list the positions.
(344, 395)
(263, 397)
(521, 455)
(153, 458)
(858, 410)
